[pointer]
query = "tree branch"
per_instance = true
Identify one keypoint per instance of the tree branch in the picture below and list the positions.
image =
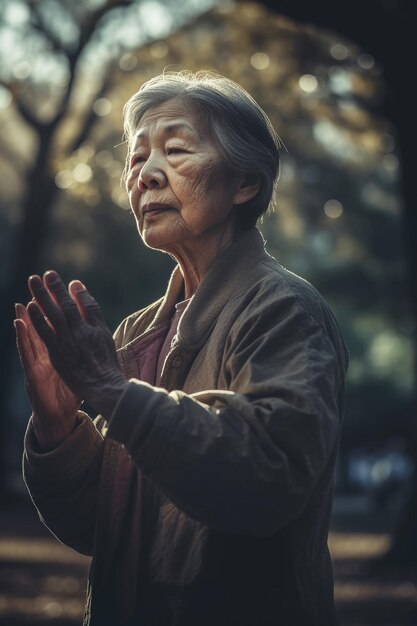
(9, 155)
(89, 120)
(85, 36)
(23, 109)
(38, 23)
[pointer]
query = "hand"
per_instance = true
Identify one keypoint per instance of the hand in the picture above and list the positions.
(79, 343)
(54, 405)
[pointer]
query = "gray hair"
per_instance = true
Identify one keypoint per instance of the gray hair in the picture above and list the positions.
(241, 130)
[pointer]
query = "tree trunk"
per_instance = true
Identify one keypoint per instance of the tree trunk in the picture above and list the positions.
(27, 259)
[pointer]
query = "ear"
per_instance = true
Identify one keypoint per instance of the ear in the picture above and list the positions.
(247, 188)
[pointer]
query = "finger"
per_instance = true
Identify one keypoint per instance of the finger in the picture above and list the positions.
(39, 348)
(41, 326)
(23, 315)
(89, 307)
(62, 297)
(24, 347)
(46, 305)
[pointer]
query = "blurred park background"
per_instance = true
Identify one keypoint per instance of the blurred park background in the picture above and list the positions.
(335, 79)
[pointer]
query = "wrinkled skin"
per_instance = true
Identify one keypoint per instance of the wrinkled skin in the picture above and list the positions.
(68, 357)
(174, 163)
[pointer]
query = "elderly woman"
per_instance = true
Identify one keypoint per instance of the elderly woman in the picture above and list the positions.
(203, 489)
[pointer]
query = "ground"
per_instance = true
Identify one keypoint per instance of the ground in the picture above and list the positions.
(43, 582)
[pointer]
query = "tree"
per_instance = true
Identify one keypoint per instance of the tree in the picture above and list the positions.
(50, 48)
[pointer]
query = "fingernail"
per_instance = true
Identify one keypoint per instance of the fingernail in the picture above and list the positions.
(51, 277)
(78, 286)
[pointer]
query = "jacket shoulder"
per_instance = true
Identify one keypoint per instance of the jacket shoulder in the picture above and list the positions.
(274, 284)
(135, 324)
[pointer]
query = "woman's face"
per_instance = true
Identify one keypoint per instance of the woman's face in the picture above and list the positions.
(179, 189)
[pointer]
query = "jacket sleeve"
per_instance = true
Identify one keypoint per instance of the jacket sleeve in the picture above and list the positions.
(63, 483)
(247, 458)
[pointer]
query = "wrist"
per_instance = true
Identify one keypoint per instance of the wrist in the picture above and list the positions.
(108, 396)
(51, 436)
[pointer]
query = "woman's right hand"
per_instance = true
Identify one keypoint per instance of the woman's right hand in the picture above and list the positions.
(54, 405)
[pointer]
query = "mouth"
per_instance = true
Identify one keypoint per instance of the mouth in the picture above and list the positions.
(155, 208)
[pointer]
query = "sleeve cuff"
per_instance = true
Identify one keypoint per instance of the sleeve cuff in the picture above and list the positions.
(142, 421)
(129, 414)
(68, 458)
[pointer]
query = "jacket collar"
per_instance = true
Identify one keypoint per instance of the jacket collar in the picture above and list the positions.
(227, 276)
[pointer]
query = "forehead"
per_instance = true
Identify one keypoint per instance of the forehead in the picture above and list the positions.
(170, 118)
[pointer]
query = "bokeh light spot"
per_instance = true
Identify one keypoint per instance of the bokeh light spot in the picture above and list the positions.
(338, 51)
(390, 162)
(22, 70)
(159, 50)
(102, 107)
(120, 198)
(308, 83)
(53, 609)
(260, 60)
(127, 62)
(366, 61)
(340, 81)
(82, 173)
(333, 209)
(104, 158)
(63, 179)
(16, 13)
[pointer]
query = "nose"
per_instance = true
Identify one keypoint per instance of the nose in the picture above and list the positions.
(151, 176)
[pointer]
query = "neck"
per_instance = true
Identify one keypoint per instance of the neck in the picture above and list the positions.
(196, 259)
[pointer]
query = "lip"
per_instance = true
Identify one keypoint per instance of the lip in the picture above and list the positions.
(153, 208)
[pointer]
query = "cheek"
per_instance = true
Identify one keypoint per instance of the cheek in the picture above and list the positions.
(200, 180)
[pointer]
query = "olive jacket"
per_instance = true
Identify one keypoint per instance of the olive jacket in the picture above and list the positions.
(207, 501)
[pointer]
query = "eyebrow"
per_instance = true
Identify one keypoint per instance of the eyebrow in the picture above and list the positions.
(170, 128)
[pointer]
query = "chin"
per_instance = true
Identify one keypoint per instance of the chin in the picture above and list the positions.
(155, 240)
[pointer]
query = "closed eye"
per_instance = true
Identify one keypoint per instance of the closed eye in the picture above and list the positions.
(176, 150)
(136, 159)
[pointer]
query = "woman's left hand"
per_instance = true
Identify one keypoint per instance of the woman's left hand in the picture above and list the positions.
(79, 342)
